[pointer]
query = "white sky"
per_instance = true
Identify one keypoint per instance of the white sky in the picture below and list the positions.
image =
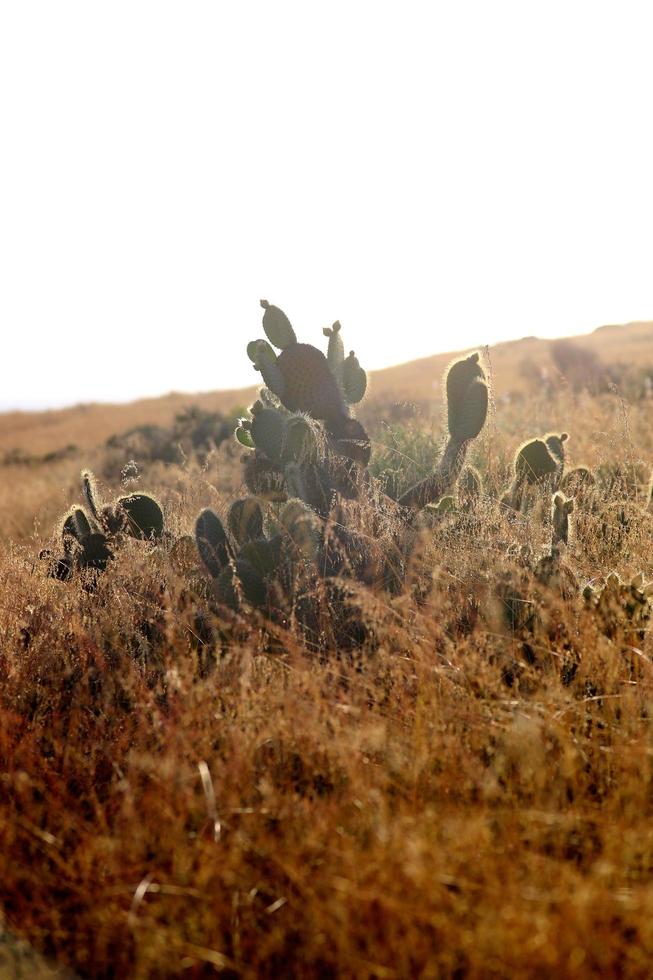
(434, 174)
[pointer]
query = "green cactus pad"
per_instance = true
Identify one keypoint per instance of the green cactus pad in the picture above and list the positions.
(144, 516)
(467, 398)
(252, 583)
(352, 441)
(335, 351)
(244, 437)
(245, 520)
(354, 380)
(258, 350)
(267, 431)
(534, 461)
(578, 481)
(277, 326)
(265, 360)
(300, 439)
(309, 384)
(212, 542)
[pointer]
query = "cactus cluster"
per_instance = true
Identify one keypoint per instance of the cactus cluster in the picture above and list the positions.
(89, 537)
(302, 377)
(317, 512)
(304, 439)
(246, 563)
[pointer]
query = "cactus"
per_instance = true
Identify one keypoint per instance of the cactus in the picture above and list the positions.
(301, 376)
(535, 469)
(301, 428)
(89, 538)
(277, 326)
(261, 567)
(245, 520)
(265, 360)
(467, 400)
(556, 446)
(335, 352)
(144, 516)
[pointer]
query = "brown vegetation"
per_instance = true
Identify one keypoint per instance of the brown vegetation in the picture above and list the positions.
(463, 796)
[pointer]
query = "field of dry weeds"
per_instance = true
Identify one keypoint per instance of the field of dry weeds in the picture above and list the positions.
(466, 792)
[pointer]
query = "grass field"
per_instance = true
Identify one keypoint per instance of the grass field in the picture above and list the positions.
(190, 790)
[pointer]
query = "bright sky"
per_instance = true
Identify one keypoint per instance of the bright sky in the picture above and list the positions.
(434, 174)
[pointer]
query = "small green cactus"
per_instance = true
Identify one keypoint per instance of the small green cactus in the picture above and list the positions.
(261, 568)
(579, 481)
(467, 401)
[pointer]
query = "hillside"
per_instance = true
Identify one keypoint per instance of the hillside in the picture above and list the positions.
(86, 426)
(345, 736)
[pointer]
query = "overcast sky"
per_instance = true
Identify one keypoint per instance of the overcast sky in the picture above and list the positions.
(435, 175)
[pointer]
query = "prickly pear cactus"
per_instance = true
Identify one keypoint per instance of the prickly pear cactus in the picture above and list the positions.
(301, 376)
(245, 564)
(89, 538)
(304, 439)
(467, 401)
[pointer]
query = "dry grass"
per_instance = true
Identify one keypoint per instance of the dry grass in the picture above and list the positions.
(454, 800)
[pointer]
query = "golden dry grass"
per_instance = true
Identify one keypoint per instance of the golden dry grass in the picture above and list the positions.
(455, 799)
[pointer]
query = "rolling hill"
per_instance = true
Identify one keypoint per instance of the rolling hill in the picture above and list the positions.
(90, 424)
